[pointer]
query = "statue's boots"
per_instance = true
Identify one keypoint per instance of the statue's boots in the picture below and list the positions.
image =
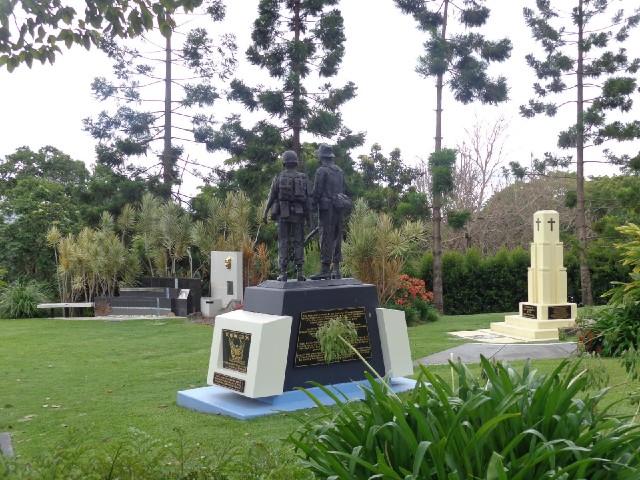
(335, 274)
(299, 275)
(323, 274)
(283, 275)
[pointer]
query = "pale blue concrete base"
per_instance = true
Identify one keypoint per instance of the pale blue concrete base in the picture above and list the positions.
(221, 401)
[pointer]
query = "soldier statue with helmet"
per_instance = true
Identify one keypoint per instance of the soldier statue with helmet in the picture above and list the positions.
(329, 197)
(289, 204)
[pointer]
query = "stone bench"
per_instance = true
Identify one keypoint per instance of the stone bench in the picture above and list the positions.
(66, 307)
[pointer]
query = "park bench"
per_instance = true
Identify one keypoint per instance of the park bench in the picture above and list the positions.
(66, 307)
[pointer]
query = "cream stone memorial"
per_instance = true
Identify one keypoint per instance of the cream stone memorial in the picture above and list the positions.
(226, 282)
(546, 309)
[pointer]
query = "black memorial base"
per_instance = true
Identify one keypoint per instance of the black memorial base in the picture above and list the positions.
(150, 301)
(193, 284)
(311, 304)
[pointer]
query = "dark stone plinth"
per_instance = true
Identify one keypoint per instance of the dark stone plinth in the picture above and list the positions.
(321, 296)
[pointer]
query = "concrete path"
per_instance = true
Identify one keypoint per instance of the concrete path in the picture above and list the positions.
(470, 352)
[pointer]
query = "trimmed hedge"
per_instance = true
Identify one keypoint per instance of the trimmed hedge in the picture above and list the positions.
(473, 284)
(497, 283)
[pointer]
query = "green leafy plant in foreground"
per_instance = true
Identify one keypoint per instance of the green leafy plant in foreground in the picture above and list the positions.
(515, 425)
(617, 327)
(140, 456)
(20, 299)
(336, 337)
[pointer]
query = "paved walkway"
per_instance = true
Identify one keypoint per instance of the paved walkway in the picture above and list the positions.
(470, 352)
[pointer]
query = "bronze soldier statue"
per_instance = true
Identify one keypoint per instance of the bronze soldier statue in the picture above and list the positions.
(329, 197)
(289, 204)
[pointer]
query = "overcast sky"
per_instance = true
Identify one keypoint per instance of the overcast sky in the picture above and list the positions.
(395, 106)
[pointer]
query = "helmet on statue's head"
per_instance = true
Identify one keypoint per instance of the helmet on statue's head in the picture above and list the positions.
(289, 157)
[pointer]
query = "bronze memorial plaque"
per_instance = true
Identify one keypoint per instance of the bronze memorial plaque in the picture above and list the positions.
(560, 312)
(529, 311)
(235, 350)
(228, 382)
(308, 348)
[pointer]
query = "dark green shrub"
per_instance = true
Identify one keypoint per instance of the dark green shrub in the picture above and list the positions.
(21, 298)
(510, 426)
(617, 326)
(473, 284)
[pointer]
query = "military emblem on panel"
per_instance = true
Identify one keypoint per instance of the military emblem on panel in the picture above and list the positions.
(235, 350)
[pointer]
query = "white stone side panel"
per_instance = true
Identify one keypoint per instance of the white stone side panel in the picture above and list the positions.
(268, 351)
(394, 339)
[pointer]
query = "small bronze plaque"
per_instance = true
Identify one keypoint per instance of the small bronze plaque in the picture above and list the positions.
(529, 311)
(228, 382)
(308, 348)
(235, 350)
(560, 312)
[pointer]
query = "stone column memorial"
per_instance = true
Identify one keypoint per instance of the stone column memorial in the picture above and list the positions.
(546, 308)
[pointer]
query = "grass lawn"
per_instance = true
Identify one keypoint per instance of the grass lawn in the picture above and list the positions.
(102, 378)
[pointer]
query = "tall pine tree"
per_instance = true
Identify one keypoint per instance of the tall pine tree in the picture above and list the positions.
(147, 115)
(299, 43)
(580, 64)
(462, 61)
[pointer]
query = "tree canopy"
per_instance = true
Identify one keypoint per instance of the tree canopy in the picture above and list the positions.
(35, 30)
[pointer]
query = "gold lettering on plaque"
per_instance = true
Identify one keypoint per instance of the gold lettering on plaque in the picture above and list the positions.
(308, 350)
(227, 263)
(228, 382)
(559, 312)
(529, 311)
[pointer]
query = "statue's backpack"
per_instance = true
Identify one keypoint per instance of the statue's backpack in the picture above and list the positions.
(292, 193)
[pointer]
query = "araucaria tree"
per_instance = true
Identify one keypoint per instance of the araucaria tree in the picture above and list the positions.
(150, 112)
(580, 67)
(462, 61)
(35, 30)
(299, 43)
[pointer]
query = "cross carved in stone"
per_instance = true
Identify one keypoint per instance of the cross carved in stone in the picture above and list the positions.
(551, 222)
(538, 222)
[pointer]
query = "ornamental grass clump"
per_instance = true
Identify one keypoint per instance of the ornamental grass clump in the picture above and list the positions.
(20, 299)
(509, 425)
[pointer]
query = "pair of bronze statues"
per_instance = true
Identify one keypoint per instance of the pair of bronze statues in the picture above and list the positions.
(291, 204)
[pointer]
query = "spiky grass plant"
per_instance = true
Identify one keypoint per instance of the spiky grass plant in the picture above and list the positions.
(513, 425)
(336, 338)
(20, 299)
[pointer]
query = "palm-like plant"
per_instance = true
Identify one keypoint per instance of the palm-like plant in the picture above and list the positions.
(376, 250)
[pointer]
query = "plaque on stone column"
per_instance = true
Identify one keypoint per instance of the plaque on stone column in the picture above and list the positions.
(308, 350)
(559, 312)
(529, 311)
(226, 381)
(235, 350)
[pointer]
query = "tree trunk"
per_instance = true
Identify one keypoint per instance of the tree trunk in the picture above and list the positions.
(297, 124)
(585, 276)
(437, 200)
(167, 160)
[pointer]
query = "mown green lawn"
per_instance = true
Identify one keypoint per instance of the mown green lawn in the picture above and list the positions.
(99, 379)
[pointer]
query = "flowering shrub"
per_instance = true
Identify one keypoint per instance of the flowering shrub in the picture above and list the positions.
(409, 289)
(415, 300)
